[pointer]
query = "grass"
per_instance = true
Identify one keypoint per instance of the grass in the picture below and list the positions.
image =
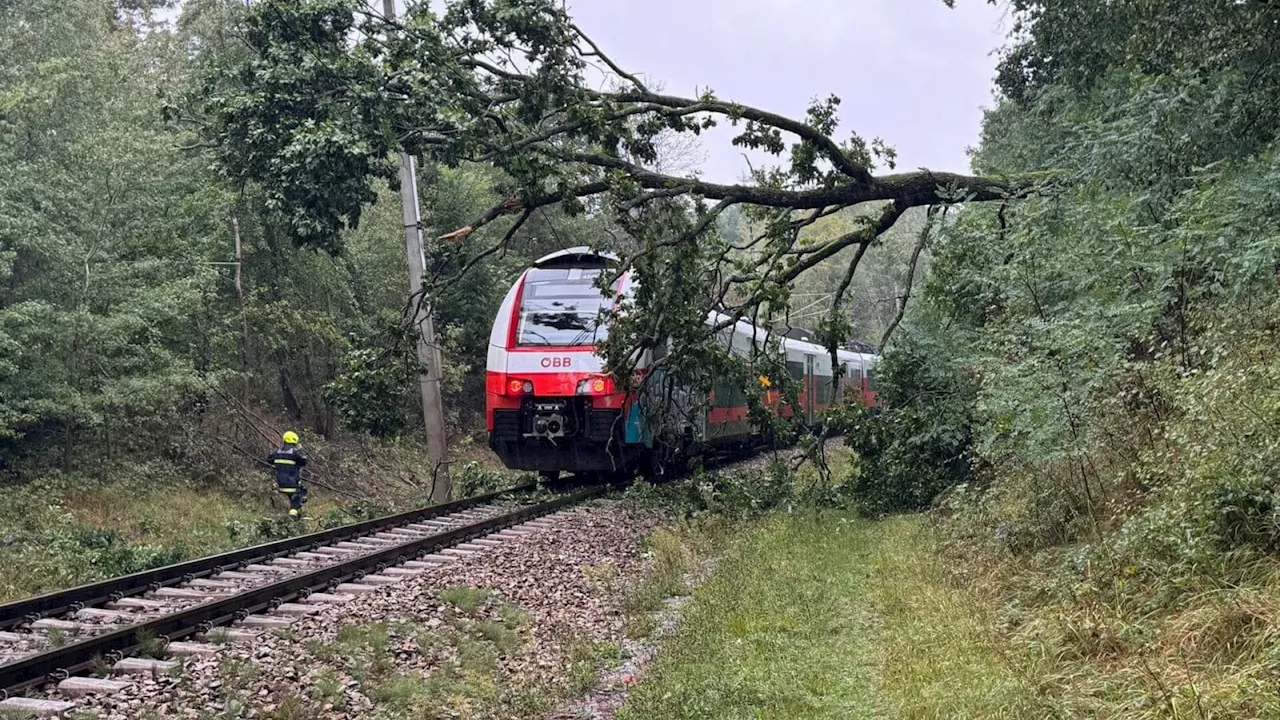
(935, 651)
(672, 561)
(825, 616)
(466, 599)
(329, 689)
(148, 645)
(291, 707)
(60, 530)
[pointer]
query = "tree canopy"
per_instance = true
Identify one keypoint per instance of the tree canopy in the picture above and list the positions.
(331, 88)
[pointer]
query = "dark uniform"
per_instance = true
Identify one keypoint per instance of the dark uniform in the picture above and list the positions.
(288, 462)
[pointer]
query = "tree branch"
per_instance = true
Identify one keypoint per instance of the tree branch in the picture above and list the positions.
(911, 275)
(511, 206)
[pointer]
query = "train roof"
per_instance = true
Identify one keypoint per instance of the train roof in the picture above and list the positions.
(577, 257)
(744, 327)
(584, 257)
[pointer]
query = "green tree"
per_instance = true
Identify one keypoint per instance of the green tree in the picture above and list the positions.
(106, 231)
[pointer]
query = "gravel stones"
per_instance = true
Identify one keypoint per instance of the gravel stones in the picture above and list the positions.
(526, 606)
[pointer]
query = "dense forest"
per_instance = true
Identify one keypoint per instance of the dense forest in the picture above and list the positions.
(200, 243)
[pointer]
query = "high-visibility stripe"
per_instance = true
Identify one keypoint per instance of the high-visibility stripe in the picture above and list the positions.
(288, 490)
(282, 461)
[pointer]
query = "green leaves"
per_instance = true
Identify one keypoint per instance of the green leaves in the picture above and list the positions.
(372, 392)
(105, 228)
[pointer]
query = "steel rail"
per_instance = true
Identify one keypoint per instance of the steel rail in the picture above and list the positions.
(59, 663)
(59, 602)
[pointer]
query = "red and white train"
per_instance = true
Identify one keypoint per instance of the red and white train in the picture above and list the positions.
(551, 407)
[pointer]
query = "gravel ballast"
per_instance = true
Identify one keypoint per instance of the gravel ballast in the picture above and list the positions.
(515, 629)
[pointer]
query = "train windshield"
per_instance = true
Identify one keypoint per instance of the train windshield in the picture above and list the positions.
(562, 307)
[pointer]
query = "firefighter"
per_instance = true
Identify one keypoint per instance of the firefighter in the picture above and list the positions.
(288, 462)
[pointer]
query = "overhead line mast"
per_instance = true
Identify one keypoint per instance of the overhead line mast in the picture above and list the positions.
(428, 347)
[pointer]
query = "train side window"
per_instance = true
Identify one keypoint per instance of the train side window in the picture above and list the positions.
(659, 352)
(724, 391)
(871, 380)
(824, 388)
(795, 369)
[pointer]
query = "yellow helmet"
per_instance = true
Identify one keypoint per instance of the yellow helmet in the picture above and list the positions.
(290, 437)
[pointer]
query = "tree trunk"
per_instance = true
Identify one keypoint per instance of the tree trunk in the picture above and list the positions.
(291, 404)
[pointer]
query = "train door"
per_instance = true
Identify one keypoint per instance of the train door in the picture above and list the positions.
(811, 388)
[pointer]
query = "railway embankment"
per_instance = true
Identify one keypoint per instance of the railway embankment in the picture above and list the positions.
(60, 530)
(504, 627)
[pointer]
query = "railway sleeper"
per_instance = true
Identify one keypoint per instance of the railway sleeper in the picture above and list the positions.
(113, 616)
(268, 622)
(135, 603)
(189, 649)
(328, 598)
(295, 609)
(74, 687)
(36, 707)
(354, 588)
(143, 666)
(402, 572)
(229, 634)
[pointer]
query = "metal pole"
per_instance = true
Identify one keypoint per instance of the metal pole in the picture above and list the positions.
(428, 348)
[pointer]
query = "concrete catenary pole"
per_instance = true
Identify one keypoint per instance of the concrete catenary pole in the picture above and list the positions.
(428, 348)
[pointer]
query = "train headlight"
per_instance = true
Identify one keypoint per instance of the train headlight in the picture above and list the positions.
(593, 386)
(517, 387)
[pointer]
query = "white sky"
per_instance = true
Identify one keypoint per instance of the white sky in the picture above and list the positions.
(909, 71)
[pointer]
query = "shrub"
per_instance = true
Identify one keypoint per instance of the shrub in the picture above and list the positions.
(921, 442)
(473, 479)
(108, 553)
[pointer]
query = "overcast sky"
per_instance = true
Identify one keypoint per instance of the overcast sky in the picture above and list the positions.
(909, 71)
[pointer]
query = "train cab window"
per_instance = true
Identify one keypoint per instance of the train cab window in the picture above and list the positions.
(562, 307)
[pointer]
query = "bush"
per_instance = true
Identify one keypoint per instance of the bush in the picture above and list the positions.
(109, 555)
(474, 479)
(354, 513)
(736, 493)
(921, 442)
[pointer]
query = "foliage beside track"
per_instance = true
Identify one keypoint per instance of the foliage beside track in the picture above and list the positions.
(62, 531)
(1099, 364)
(129, 329)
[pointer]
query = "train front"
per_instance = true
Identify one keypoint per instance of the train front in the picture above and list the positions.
(549, 405)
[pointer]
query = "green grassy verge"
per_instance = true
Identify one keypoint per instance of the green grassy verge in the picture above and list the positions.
(832, 617)
(64, 530)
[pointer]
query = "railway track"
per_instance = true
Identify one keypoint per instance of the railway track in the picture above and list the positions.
(50, 638)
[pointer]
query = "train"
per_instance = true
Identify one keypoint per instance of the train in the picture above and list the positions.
(551, 407)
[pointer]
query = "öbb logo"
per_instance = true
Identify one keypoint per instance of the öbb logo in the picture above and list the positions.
(557, 362)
